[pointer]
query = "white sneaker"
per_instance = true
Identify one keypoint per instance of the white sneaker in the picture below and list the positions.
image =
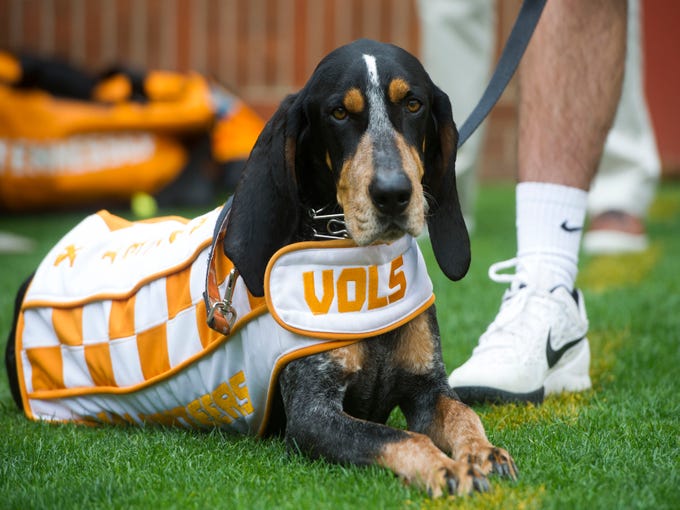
(609, 242)
(613, 232)
(535, 346)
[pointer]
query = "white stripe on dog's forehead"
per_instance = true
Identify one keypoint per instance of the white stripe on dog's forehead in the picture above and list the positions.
(372, 69)
(378, 122)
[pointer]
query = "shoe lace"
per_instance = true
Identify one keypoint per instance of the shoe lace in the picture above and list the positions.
(496, 276)
(515, 320)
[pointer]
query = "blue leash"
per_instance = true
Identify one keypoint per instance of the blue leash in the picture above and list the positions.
(507, 65)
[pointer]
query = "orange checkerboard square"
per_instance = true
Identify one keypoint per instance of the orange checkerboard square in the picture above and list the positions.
(152, 345)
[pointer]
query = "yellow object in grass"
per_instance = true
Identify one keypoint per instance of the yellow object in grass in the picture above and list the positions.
(143, 205)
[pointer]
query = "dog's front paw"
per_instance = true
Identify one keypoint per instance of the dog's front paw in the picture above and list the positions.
(491, 459)
(418, 462)
(502, 463)
(466, 478)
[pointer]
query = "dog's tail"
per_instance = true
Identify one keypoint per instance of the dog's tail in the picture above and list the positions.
(10, 351)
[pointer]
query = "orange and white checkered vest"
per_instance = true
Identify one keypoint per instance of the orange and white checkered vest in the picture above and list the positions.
(113, 326)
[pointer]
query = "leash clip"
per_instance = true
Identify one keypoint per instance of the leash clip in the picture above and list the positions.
(223, 309)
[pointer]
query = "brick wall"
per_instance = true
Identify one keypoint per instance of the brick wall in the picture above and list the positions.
(261, 49)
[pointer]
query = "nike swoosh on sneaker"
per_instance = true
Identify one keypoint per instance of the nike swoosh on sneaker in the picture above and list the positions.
(568, 228)
(555, 355)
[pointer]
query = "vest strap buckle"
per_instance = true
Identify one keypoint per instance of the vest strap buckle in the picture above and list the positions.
(222, 316)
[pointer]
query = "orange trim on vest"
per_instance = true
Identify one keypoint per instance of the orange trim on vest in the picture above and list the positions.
(114, 222)
(40, 303)
(19, 365)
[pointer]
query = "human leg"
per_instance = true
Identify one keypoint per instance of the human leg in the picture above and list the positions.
(626, 180)
(570, 82)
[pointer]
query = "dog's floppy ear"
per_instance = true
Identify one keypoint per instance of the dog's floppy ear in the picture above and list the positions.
(265, 211)
(448, 234)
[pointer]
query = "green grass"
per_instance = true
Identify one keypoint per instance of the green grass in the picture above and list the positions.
(615, 446)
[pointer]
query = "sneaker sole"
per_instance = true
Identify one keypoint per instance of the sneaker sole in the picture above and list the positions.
(485, 395)
(569, 375)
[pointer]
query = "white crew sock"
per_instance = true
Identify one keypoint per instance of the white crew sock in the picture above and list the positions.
(550, 221)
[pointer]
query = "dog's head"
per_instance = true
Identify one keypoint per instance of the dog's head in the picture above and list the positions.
(369, 134)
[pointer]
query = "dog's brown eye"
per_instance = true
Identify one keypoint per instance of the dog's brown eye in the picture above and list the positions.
(413, 105)
(339, 113)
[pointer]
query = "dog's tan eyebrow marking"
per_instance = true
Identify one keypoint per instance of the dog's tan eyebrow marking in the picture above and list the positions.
(398, 89)
(354, 101)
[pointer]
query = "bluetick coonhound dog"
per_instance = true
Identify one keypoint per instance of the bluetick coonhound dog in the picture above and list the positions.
(372, 138)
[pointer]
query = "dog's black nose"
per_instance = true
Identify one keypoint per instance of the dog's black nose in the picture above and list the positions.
(390, 192)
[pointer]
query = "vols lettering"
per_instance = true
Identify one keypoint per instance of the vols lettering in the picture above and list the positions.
(365, 283)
